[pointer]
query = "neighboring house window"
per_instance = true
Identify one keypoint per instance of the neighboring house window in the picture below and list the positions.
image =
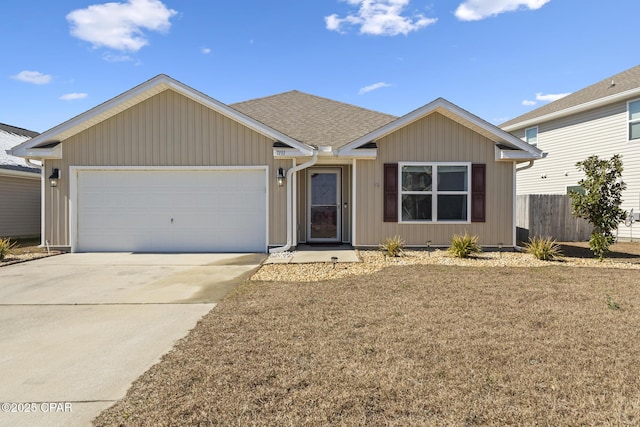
(531, 136)
(434, 192)
(577, 188)
(634, 120)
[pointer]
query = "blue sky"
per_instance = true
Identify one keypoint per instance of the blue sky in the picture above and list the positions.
(496, 58)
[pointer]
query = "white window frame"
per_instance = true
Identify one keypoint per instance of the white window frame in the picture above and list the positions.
(434, 192)
(526, 138)
(629, 121)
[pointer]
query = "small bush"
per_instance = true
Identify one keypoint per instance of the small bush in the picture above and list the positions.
(544, 249)
(464, 246)
(5, 247)
(393, 246)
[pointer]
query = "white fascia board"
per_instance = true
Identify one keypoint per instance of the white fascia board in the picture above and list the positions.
(575, 109)
(288, 153)
(137, 95)
(40, 153)
(441, 103)
(360, 153)
(517, 155)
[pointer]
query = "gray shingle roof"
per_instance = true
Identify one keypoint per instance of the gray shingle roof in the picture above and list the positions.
(624, 81)
(10, 136)
(313, 120)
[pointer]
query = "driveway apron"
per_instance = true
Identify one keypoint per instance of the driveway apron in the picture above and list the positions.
(77, 329)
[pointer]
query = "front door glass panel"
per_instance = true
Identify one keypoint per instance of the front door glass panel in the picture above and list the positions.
(324, 206)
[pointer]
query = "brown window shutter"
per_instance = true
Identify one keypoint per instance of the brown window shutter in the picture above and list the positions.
(390, 192)
(478, 192)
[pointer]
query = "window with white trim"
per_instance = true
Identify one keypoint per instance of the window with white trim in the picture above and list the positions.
(634, 120)
(531, 136)
(435, 192)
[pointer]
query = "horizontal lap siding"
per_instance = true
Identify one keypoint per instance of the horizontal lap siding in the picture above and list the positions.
(602, 131)
(434, 138)
(20, 215)
(168, 129)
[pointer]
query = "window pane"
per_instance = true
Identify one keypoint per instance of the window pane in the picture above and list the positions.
(416, 207)
(531, 136)
(452, 207)
(416, 178)
(452, 178)
(634, 130)
(634, 110)
(324, 189)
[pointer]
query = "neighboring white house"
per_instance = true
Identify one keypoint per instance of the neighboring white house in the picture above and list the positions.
(20, 187)
(601, 119)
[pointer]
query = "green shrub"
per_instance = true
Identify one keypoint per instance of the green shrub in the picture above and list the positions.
(393, 246)
(5, 247)
(464, 246)
(544, 249)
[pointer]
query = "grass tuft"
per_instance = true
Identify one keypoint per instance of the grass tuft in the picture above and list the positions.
(463, 246)
(393, 246)
(543, 248)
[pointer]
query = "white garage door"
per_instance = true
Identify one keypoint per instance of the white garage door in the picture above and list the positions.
(172, 211)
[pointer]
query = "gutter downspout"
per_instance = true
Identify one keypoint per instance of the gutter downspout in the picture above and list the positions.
(529, 166)
(290, 173)
(40, 166)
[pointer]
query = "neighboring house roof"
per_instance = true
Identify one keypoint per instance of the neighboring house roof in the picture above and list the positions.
(11, 136)
(34, 148)
(313, 120)
(612, 89)
(503, 139)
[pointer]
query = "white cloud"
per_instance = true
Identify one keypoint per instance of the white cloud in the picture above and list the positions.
(73, 96)
(35, 77)
(379, 17)
(120, 26)
(550, 97)
(373, 87)
(475, 10)
(110, 57)
(205, 50)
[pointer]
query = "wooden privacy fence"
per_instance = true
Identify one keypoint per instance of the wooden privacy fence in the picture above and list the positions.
(542, 215)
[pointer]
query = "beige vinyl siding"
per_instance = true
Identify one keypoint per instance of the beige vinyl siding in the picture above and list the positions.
(167, 129)
(20, 214)
(434, 138)
(602, 131)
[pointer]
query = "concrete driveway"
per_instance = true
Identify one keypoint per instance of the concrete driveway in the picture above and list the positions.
(77, 329)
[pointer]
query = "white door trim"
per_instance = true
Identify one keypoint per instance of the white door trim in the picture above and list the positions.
(73, 189)
(338, 172)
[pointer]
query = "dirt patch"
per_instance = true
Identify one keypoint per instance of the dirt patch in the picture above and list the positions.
(407, 345)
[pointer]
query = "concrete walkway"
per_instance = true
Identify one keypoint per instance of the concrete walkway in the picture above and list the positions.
(305, 254)
(77, 329)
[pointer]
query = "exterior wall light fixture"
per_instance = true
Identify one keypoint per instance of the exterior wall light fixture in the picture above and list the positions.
(280, 177)
(54, 177)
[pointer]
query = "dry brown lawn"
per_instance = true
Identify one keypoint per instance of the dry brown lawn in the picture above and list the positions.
(408, 345)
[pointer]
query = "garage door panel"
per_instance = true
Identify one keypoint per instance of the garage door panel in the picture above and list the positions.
(169, 211)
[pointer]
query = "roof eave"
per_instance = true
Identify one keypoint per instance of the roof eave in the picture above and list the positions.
(600, 102)
(138, 94)
(442, 105)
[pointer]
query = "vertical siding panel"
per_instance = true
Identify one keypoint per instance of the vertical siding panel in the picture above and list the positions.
(167, 129)
(434, 138)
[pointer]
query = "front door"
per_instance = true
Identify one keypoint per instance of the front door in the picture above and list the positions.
(324, 222)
